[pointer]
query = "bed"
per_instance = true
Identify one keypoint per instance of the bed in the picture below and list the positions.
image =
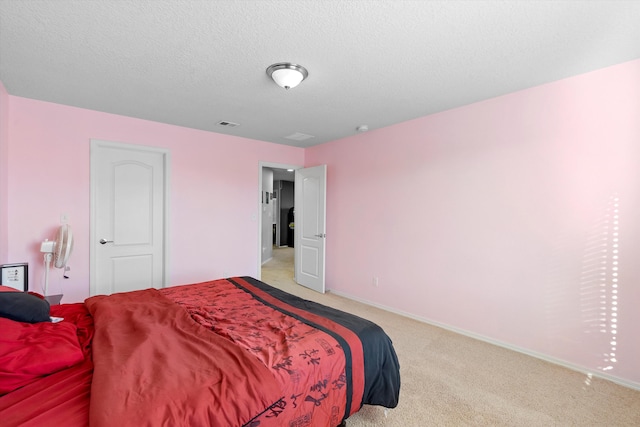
(228, 352)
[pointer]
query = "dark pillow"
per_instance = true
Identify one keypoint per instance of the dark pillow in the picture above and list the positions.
(23, 307)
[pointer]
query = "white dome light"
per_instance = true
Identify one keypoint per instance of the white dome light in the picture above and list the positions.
(287, 75)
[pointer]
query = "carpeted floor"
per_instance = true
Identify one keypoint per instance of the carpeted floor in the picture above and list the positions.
(452, 380)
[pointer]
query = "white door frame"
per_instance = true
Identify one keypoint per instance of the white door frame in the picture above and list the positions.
(93, 239)
(259, 202)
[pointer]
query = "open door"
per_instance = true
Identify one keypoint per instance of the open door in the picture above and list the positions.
(310, 206)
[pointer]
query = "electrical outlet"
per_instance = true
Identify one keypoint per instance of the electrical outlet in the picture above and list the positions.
(64, 218)
(375, 281)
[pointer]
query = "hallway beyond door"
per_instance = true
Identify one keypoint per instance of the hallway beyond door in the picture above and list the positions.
(280, 268)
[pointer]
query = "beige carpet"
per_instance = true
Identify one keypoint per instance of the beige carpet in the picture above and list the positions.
(452, 380)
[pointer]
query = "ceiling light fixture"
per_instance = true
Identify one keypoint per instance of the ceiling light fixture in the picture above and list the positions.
(287, 75)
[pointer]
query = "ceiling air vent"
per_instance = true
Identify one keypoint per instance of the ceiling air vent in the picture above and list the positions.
(228, 124)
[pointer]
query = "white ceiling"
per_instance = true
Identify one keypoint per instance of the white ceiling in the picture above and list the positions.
(194, 63)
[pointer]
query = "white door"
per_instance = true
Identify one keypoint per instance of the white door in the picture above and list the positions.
(129, 204)
(310, 213)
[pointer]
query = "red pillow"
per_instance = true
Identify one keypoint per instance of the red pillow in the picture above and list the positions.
(8, 289)
(32, 350)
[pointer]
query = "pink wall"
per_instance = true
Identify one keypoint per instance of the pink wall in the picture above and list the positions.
(499, 219)
(214, 190)
(4, 145)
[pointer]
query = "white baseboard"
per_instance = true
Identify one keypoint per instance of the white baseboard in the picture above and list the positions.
(621, 381)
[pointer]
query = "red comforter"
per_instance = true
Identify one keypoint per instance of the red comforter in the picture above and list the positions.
(231, 352)
(154, 366)
(310, 365)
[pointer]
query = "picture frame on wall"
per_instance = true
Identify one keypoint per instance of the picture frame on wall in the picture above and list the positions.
(15, 276)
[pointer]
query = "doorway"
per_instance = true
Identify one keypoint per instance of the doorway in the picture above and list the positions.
(276, 257)
(309, 226)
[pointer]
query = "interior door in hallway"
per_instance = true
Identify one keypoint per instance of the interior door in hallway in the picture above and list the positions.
(310, 234)
(129, 202)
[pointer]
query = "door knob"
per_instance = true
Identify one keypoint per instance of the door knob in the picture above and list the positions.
(103, 241)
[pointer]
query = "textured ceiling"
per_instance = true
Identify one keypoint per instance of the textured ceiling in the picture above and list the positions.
(194, 63)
